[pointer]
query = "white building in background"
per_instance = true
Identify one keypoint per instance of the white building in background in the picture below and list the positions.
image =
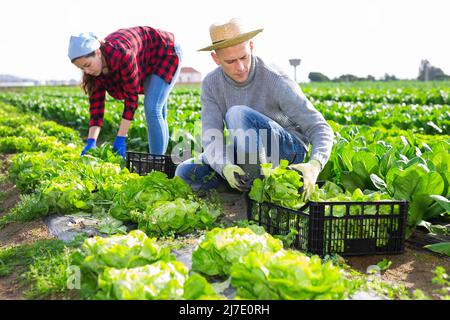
(189, 75)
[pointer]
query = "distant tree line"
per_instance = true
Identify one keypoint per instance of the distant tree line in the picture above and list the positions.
(427, 72)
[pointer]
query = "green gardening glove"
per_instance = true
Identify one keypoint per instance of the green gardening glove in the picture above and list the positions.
(310, 172)
(232, 173)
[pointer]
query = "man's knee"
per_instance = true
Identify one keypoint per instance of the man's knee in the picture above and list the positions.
(184, 169)
(236, 114)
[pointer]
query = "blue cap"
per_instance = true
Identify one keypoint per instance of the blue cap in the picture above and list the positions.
(82, 45)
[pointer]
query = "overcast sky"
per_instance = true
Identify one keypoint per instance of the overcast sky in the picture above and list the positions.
(334, 37)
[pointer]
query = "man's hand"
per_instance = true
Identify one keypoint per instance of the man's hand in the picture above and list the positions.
(310, 171)
(120, 146)
(231, 173)
(90, 144)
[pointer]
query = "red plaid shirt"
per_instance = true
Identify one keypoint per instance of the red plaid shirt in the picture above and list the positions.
(132, 55)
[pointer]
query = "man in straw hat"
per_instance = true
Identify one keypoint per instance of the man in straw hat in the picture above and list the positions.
(267, 116)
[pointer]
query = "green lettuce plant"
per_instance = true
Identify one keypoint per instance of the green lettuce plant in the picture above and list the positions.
(287, 275)
(220, 248)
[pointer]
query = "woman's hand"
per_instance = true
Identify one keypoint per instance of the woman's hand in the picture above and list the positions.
(90, 144)
(120, 146)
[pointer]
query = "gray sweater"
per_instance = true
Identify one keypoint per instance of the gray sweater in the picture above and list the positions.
(271, 92)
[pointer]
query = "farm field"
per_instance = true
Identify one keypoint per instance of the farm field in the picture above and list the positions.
(392, 141)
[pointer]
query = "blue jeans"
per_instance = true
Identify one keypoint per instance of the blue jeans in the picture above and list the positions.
(203, 177)
(155, 105)
(199, 176)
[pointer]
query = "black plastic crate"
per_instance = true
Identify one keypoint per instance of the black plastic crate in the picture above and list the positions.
(143, 163)
(362, 228)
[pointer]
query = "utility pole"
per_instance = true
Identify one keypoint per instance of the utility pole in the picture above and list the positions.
(295, 63)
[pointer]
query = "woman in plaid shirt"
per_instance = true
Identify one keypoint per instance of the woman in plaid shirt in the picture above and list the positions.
(128, 62)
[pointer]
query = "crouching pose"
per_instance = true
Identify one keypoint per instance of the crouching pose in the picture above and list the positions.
(267, 116)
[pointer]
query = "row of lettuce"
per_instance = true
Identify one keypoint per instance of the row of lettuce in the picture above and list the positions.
(227, 263)
(254, 263)
(70, 108)
(56, 179)
(373, 164)
(135, 266)
(408, 92)
(404, 164)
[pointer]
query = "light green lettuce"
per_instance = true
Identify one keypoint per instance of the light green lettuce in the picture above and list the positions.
(177, 216)
(160, 280)
(220, 248)
(122, 251)
(280, 185)
(286, 275)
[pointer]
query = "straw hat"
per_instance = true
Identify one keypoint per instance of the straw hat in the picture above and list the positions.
(228, 34)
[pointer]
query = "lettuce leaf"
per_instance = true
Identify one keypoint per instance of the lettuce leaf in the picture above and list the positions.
(121, 251)
(220, 248)
(286, 275)
(160, 280)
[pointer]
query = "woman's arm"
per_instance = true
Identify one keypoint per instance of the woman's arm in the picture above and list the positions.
(94, 131)
(124, 126)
